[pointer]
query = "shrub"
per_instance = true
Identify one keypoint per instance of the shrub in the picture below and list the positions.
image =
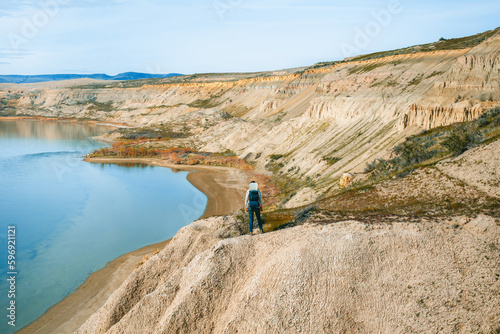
(414, 152)
(101, 106)
(482, 122)
(462, 138)
(275, 156)
(416, 80)
(379, 164)
(332, 160)
(204, 104)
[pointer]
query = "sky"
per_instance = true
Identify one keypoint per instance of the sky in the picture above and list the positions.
(205, 36)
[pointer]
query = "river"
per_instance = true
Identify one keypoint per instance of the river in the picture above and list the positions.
(72, 217)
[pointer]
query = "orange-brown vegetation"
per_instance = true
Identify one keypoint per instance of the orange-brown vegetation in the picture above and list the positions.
(176, 155)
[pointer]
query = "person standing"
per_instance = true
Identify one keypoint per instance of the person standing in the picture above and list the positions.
(253, 204)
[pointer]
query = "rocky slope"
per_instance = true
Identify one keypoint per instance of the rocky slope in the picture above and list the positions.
(390, 277)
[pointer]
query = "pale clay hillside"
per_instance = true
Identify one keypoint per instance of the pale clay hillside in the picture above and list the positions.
(391, 274)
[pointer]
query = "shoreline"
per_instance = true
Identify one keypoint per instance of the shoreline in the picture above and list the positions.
(225, 189)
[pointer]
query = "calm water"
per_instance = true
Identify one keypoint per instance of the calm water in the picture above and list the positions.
(73, 217)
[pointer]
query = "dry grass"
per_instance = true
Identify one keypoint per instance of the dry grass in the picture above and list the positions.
(444, 44)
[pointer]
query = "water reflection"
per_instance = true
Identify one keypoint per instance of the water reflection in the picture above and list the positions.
(136, 165)
(26, 128)
(127, 164)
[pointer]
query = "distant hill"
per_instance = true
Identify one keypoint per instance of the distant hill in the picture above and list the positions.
(98, 76)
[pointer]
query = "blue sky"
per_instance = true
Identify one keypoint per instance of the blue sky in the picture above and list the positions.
(199, 36)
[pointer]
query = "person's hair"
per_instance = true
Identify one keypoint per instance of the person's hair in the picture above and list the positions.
(253, 182)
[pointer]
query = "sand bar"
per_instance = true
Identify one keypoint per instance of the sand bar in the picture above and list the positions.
(225, 188)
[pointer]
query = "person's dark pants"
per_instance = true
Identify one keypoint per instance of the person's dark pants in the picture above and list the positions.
(251, 211)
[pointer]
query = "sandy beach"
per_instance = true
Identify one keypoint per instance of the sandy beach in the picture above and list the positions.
(225, 189)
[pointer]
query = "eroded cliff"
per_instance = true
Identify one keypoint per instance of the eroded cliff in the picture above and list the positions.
(347, 113)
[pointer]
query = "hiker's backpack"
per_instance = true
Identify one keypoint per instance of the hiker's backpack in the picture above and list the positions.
(253, 198)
